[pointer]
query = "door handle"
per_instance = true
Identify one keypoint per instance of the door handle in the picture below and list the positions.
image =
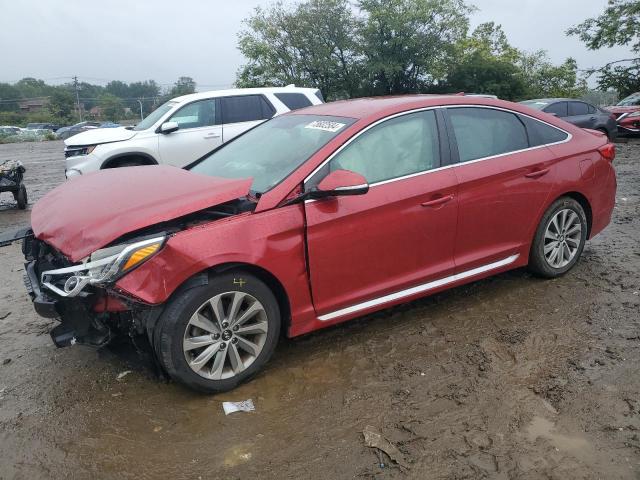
(537, 173)
(438, 201)
(212, 135)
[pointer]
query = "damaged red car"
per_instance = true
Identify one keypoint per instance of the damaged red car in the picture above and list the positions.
(311, 219)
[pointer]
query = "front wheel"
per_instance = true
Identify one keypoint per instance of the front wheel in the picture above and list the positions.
(559, 239)
(216, 336)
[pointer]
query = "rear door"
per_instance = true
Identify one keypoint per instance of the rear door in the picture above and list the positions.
(199, 133)
(398, 235)
(242, 112)
(579, 115)
(502, 185)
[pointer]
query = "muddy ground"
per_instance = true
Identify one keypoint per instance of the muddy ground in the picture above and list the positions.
(511, 377)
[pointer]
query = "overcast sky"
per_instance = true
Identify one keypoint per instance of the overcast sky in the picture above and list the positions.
(138, 39)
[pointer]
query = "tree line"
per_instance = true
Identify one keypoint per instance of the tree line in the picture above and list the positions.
(351, 48)
(61, 100)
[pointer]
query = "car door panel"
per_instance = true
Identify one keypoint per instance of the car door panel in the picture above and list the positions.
(367, 246)
(499, 196)
(399, 234)
(199, 133)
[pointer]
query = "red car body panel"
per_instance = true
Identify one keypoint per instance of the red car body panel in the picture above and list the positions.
(423, 234)
(100, 207)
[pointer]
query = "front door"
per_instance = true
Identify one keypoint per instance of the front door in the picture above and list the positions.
(199, 133)
(398, 235)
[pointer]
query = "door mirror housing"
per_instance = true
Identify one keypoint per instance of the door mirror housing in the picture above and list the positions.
(168, 127)
(339, 183)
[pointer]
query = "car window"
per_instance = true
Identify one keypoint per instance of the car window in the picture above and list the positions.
(559, 108)
(246, 108)
(395, 148)
(484, 132)
(591, 108)
(196, 114)
(541, 133)
(269, 152)
(294, 101)
(578, 108)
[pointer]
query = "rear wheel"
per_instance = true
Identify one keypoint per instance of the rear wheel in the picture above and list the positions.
(21, 197)
(559, 239)
(216, 336)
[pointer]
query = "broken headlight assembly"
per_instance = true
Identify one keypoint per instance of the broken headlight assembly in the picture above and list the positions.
(102, 268)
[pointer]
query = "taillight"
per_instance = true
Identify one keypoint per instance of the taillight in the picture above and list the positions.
(608, 151)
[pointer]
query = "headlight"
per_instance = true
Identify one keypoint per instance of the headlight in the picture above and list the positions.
(103, 267)
(77, 151)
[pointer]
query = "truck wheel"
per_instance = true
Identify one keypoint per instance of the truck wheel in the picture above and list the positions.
(21, 197)
(214, 337)
(559, 239)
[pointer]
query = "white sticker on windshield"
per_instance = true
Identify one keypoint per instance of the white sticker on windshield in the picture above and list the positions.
(325, 125)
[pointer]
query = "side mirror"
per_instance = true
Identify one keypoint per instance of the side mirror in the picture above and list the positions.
(339, 183)
(168, 127)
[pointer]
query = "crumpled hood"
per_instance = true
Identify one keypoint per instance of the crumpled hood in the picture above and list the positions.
(100, 135)
(87, 213)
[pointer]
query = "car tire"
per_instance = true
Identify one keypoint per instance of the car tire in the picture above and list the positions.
(559, 239)
(21, 197)
(188, 320)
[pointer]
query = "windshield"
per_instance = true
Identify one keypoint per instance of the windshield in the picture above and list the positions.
(630, 101)
(154, 116)
(537, 104)
(271, 151)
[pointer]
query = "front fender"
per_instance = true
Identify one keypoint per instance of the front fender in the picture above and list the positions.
(272, 241)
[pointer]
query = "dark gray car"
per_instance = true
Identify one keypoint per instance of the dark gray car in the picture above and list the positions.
(581, 114)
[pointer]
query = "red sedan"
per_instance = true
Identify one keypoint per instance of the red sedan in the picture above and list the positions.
(311, 219)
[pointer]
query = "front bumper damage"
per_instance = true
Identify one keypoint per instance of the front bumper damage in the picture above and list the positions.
(92, 317)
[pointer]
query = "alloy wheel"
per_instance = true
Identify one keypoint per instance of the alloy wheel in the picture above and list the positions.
(562, 238)
(225, 335)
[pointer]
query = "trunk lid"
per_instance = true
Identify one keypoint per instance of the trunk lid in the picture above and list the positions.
(89, 212)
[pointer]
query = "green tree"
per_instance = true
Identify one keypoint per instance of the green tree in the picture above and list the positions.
(8, 96)
(410, 44)
(111, 106)
(543, 79)
(479, 73)
(62, 104)
(313, 44)
(183, 86)
(619, 24)
(117, 88)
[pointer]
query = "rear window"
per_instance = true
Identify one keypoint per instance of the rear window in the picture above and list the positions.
(245, 108)
(484, 132)
(294, 101)
(541, 133)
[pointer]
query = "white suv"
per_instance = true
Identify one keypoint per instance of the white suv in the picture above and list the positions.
(183, 129)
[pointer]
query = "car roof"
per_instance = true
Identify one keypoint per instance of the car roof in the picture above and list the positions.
(242, 91)
(363, 108)
(554, 100)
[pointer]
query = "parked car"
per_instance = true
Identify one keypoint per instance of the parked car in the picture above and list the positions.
(109, 125)
(627, 114)
(9, 130)
(43, 126)
(311, 219)
(581, 114)
(183, 129)
(67, 132)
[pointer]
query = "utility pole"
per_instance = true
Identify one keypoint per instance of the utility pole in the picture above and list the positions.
(75, 84)
(140, 102)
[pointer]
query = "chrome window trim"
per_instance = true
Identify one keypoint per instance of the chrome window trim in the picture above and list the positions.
(418, 289)
(408, 112)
